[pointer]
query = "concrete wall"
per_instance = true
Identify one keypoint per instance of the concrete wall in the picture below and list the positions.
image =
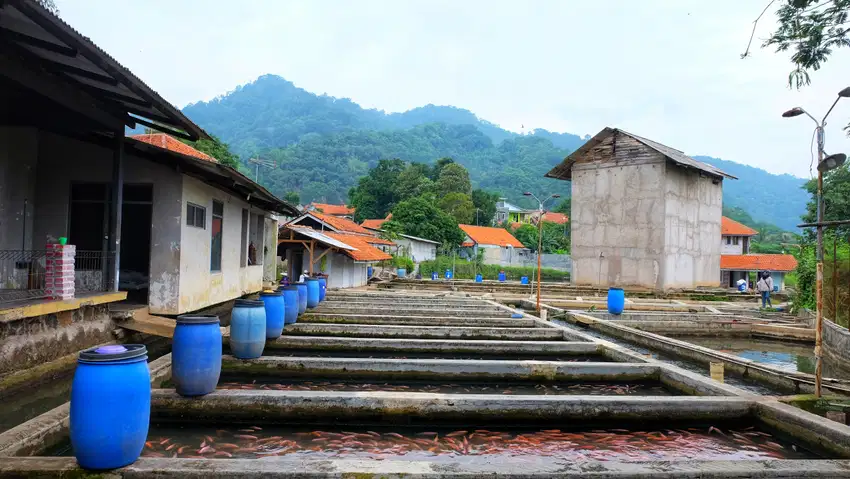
(343, 272)
(418, 251)
(836, 344)
(18, 158)
(199, 287)
(618, 212)
(693, 204)
(732, 248)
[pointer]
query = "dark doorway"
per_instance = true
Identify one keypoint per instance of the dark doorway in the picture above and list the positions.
(137, 214)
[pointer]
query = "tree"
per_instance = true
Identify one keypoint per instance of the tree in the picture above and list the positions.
(438, 168)
(564, 206)
(485, 204)
(836, 198)
(453, 179)
(554, 240)
(375, 194)
(292, 197)
(419, 217)
(217, 149)
(813, 29)
(413, 181)
(459, 206)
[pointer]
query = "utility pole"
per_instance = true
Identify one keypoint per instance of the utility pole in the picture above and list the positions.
(540, 236)
(824, 164)
(259, 163)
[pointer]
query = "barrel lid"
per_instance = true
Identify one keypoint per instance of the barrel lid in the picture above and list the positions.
(312, 279)
(271, 293)
(288, 288)
(197, 319)
(248, 303)
(615, 289)
(113, 352)
(301, 284)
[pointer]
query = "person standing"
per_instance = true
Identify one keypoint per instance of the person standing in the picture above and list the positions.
(764, 286)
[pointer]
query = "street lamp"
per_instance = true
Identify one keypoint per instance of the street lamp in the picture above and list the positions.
(540, 236)
(825, 163)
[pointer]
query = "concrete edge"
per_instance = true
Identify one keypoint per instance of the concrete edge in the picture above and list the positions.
(813, 430)
(431, 345)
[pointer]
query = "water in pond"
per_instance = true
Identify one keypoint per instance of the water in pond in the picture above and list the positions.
(636, 388)
(693, 366)
(437, 355)
(666, 444)
(789, 356)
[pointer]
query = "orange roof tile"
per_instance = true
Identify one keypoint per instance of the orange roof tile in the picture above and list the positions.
(166, 142)
(467, 244)
(376, 224)
(758, 262)
(335, 210)
(364, 252)
(491, 236)
(553, 217)
(730, 227)
(341, 224)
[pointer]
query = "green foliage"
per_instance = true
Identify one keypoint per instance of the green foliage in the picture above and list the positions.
(400, 261)
(292, 197)
(804, 296)
(390, 230)
(770, 238)
(375, 194)
(554, 240)
(217, 149)
(459, 206)
(453, 179)
(836, 198)
(468, 269)
(419, 217)
(812, 29)
(564, 206)
(485, 203)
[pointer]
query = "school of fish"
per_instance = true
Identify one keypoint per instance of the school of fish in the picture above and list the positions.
(598, 445)
(592, 389)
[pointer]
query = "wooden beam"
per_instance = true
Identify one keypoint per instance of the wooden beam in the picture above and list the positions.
(75, 65)
(20, 30)
(57, 90)
(312, 248)
(162, 128)
(324, 253)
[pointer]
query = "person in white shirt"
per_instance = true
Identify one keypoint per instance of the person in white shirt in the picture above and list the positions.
(764, 287)
(304, 276)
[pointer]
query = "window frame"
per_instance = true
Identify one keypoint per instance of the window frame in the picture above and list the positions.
(195, 209)
(220, 217)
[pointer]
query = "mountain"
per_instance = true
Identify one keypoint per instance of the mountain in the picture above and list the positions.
(322, 144)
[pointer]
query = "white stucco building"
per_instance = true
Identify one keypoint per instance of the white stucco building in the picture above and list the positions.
(643, 214)
(736, 261)
(498, 245)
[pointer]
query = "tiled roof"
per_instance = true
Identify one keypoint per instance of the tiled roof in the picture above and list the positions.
(167, 142)
(553, 217)
(335, 210)
(730, 227)
(467, 244)
(364, 251)
(758, 262)
(491, 236)
(341, 224)
(376, 224)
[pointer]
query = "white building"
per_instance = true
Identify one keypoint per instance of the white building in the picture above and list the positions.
(498, 245)
(736, 261)
(417, 249)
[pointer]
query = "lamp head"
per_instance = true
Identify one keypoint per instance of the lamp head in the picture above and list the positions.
(796, 111)
(832, 162)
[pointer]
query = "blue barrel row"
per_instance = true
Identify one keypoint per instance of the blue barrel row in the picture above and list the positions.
(110, 392)
(478, 277)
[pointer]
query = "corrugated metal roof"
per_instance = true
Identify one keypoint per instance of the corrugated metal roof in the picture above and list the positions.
(319, 236)
(564, 170)
(419, 239)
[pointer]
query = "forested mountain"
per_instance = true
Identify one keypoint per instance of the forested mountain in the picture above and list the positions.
(322, 145)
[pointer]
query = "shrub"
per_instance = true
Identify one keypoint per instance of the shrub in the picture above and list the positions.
(466, 270)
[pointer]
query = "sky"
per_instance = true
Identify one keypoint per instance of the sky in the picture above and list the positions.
(669, 70)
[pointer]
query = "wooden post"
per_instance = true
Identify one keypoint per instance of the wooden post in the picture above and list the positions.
(117, 204)
(312, 248)
(834, 279)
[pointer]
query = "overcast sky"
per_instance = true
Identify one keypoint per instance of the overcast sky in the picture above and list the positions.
(669, 70)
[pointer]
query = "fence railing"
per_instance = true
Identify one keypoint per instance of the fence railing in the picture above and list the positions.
(23, 273)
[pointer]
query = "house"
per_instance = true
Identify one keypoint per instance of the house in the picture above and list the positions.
(552, 217)
(736, 261)
(511, 213)
(304, 243)
(413, 247)
(341, 211)
(375, 224)
(643, 214)
(498, 244)
(149, 217)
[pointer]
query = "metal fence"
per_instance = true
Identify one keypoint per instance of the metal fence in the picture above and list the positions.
(22, 273)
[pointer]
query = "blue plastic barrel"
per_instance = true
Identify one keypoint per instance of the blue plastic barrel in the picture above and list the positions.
(616, 300)
(196, 354)
(479, 278)
(502, 276)
(275, 310)
(302, 298)
(323, 288)
(248, 329)
(401, 272)
(312, 293)
(434, 276)
(449, 274)
(523, 280)
(110, 406)
(290, 303)
(368, 272)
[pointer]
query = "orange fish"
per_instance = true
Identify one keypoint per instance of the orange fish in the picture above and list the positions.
(456, 433)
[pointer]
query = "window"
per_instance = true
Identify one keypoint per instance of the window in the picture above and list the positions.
(728, 240)
(243, 255)
(735, 240)
(217, 235)
(196, 216)
(256, 240)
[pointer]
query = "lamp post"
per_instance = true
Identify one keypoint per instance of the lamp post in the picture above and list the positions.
(825, 163)
(540, 235)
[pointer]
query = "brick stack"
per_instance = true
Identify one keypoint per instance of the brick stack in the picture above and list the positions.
(59, 276)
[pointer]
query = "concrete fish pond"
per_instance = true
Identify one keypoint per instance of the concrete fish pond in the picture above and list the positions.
(388, 384)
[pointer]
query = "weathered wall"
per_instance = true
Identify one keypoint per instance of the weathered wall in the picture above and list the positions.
(270, 250)
(836, 344)
(618, 212)
(18, 158)
(418, 251)
(343, 272)
(62, 160)
(693, 204)
(732, 248)
(27, 342)
(200, 287)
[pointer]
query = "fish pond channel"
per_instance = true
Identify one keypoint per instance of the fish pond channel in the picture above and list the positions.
(672, 442)
(307, 353)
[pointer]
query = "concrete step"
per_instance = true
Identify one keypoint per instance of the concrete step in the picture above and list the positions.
(423, 332)
(416, 320)
(401, 311)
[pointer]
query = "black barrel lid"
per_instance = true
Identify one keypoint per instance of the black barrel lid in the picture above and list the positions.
(615, 289)
(198, 319)
(288, 288)
(271, 293)
(113, 352)
(249, 303)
